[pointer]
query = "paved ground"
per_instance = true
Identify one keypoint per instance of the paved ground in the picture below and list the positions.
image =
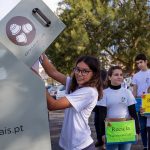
(56, 119)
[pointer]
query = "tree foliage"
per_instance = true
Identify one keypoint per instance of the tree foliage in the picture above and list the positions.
(113, 30)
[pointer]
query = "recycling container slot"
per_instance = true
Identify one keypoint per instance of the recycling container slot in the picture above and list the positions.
(41, 17)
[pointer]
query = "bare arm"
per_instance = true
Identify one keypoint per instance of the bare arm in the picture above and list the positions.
(134, 90)
(59, 104)
(52, 71)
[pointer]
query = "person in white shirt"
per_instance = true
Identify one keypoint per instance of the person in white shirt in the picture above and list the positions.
(118, 104)
(141, 82)
(85, 89)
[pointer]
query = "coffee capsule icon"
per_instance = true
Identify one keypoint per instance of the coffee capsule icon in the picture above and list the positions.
(27, 28)
(21, 38)
(15, 29)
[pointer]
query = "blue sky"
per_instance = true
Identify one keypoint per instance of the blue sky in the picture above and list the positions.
(8, 5)
(52, 4)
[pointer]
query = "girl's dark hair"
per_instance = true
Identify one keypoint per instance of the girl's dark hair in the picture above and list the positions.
(110, 72)
(94, 64)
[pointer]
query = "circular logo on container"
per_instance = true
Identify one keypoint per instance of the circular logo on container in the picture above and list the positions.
(20, 30)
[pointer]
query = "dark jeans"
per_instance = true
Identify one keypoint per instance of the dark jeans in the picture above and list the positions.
(126, 146)
(148, 132)
(97, 122)
(143, 122)
(90, 147)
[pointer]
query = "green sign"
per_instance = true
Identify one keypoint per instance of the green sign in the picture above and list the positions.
(120, 132)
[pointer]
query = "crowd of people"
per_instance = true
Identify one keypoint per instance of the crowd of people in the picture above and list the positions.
(89, 88)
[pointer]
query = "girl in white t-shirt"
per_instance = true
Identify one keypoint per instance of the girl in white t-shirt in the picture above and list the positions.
(118, 104)
(85, 89)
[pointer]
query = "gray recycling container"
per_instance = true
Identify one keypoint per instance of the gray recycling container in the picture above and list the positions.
(23, 107)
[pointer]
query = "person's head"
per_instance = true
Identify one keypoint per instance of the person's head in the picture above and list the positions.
(115, 76)
(87, 73)
(141, 61)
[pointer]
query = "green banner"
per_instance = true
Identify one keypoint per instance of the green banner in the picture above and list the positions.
(120, 132)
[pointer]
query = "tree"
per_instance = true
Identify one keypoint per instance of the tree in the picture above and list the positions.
(115, 31)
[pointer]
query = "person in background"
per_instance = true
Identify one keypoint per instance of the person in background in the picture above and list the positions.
(118, 104)
(85, 89)
(97, 119)
(141, 81)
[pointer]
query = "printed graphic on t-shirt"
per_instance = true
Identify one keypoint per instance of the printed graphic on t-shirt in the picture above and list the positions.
(123, 100)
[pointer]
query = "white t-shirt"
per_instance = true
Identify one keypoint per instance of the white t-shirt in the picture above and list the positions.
(76, 133)
(117, 102)
(142, 80)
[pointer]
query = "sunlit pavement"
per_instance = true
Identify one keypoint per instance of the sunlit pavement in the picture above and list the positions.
(56, 119)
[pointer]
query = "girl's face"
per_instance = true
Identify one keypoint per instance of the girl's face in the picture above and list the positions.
(116, 78)
(82, 73)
